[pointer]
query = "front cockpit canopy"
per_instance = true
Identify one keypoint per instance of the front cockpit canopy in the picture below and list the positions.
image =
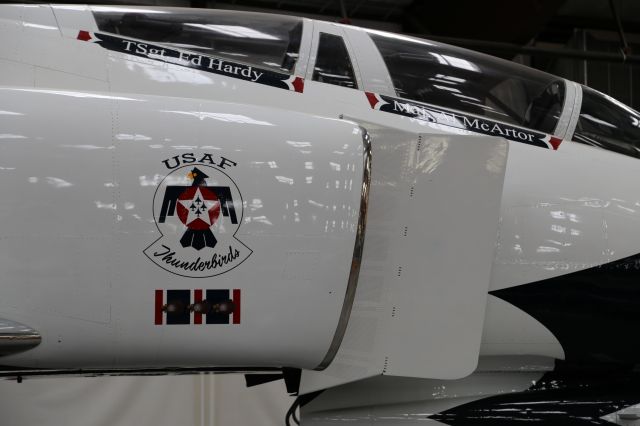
(267, 41)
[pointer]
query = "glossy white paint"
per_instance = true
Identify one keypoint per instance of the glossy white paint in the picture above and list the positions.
(629, 416)
(509, 331)
(404, 281)
(571, 111)
(78, 214)
(578, 210)
(568, 117)
(373, 72)
(108, 120)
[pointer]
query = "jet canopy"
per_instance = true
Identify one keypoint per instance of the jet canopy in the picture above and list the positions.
(267, 41)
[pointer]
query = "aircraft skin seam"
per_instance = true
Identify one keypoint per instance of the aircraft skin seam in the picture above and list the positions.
(358, 250)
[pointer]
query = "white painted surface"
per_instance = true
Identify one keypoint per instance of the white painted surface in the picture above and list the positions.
(373, 71)
(419, 307)
(565, 212)
(511, 331)
(577, 207)
(79, 212)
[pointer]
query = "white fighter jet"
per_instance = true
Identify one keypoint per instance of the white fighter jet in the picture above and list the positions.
(411, 232)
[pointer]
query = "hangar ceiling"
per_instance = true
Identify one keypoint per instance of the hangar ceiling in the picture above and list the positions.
(383, 10)
(496, 20)
(516, 22)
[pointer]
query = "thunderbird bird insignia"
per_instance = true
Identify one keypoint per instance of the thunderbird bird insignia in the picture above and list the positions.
(198, 211)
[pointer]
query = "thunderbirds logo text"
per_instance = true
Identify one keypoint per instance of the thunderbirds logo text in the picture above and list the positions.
(198, 210)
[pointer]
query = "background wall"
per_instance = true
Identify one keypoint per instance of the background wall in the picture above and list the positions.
(199, 400)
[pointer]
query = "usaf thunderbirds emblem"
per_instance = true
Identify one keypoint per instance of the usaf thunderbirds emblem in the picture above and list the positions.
(198, 210)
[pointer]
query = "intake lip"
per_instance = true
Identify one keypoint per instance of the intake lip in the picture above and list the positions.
(16, 337)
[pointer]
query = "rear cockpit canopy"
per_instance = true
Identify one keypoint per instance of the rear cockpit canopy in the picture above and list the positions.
(472, 82)
(468, 81)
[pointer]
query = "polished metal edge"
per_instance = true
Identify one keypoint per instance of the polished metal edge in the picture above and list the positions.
(16, 337)
(9, 338)
(13, 372)
(356, 261)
